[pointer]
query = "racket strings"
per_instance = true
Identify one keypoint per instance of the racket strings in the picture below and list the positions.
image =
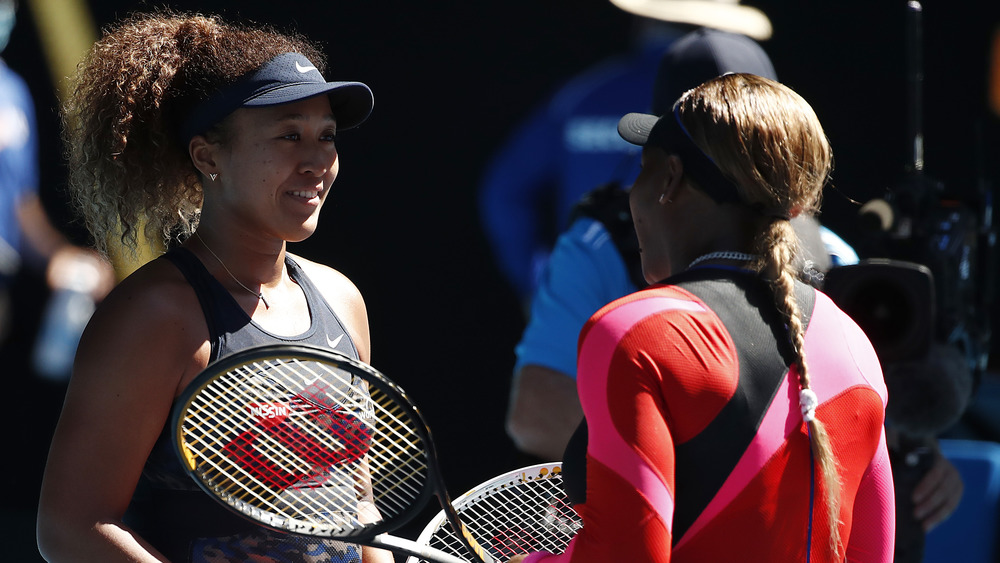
(519, 517)
(253, 469)
(307, 442)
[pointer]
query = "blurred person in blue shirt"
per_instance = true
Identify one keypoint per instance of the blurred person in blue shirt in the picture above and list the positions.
(571, 144)
(596, 260)
(28, 239)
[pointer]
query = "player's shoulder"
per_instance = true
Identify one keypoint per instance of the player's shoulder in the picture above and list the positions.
(326, 278)
(659, 303)
(154, 294)
(150, 325)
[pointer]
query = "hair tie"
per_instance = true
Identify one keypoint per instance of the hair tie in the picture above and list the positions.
(808, 401)
(777, 213)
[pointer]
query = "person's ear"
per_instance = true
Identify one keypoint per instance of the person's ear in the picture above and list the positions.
(673, 179)
(203, 156)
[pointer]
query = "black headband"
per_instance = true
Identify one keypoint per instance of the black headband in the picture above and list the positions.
(670, 135)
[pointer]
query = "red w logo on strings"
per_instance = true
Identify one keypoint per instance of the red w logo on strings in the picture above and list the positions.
(299, 441)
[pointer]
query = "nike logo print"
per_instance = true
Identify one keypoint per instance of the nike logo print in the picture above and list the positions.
(333, 343)
(304, 69)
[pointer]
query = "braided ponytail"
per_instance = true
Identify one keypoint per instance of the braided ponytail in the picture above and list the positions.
(777, 249)
(767, 140)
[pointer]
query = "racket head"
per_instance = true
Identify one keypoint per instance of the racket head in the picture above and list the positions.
(520, 511)
(290, 437)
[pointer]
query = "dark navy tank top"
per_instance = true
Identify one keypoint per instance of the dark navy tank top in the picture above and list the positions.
(168, 509)
(230, 329)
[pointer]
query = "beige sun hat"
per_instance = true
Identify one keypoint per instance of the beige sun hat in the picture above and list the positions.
(727, 15)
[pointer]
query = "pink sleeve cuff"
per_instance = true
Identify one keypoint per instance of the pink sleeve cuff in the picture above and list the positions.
(536, 557)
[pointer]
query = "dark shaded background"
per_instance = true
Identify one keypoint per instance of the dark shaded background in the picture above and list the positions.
(451, 78)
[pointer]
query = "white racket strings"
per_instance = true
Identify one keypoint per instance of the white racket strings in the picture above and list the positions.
(298, 442)
(517, 513)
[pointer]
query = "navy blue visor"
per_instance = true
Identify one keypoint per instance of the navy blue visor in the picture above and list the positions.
(289, 77)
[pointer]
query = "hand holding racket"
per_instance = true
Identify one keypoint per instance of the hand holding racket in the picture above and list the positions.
(518, 512)
(307, 441)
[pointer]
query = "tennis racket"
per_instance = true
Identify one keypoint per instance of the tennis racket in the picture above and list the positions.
(518, 512)
(304, 440)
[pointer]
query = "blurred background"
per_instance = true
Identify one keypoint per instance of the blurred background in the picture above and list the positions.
(451, 79)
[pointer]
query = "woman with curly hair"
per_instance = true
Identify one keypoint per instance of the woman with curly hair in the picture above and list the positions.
(219, 140)
(732, 412)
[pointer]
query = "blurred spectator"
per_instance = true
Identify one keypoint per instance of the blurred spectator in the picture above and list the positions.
(28, 239)
(570, 143)
(597, 259)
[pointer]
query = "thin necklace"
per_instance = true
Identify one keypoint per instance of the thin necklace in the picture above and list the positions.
(723, 255)
(259, 294)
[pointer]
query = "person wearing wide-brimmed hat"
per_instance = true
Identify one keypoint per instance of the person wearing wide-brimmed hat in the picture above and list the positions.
(596, 260)
(221, 140)
(568, 144)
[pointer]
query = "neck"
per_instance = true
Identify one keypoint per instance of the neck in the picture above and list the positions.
(250, 257)
(242, 269)
(723, 257)
(706, 228)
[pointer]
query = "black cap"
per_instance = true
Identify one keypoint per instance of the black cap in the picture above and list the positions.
(695, 58)
(668, 133)
(702, 55)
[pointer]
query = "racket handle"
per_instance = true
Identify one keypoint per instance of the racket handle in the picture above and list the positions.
(415, 549)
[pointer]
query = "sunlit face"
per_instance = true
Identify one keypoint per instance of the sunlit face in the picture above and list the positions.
(277, 166)
(648, 214)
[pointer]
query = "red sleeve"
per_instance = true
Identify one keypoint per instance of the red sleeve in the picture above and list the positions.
(654, 369)
(622, 382)
(874, 513)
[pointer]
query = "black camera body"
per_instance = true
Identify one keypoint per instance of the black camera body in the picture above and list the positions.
(931, 280)
(924, 297)
(924, 302)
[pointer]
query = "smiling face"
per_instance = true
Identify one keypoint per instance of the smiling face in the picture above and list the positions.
(275, 168)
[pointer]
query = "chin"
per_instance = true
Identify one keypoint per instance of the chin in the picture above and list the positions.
(301, 234)
(654, 273)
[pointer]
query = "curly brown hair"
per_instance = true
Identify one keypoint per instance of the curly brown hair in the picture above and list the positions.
(130, 174)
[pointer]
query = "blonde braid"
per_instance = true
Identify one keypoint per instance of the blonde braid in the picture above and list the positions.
(777, 250)
(769, 142)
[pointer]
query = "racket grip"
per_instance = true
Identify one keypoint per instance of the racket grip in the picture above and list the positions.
(413, 548)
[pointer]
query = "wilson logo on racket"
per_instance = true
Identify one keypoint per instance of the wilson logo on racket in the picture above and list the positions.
(299, 447)
(269, 412)
(508, 542)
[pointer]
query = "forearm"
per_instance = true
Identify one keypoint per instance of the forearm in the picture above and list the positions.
(544, 411)
(369, 513)
(375, 555)
(100, 542)
(39, 231)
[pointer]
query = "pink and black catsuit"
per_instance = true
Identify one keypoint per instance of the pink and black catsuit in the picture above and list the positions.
(695, 446)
